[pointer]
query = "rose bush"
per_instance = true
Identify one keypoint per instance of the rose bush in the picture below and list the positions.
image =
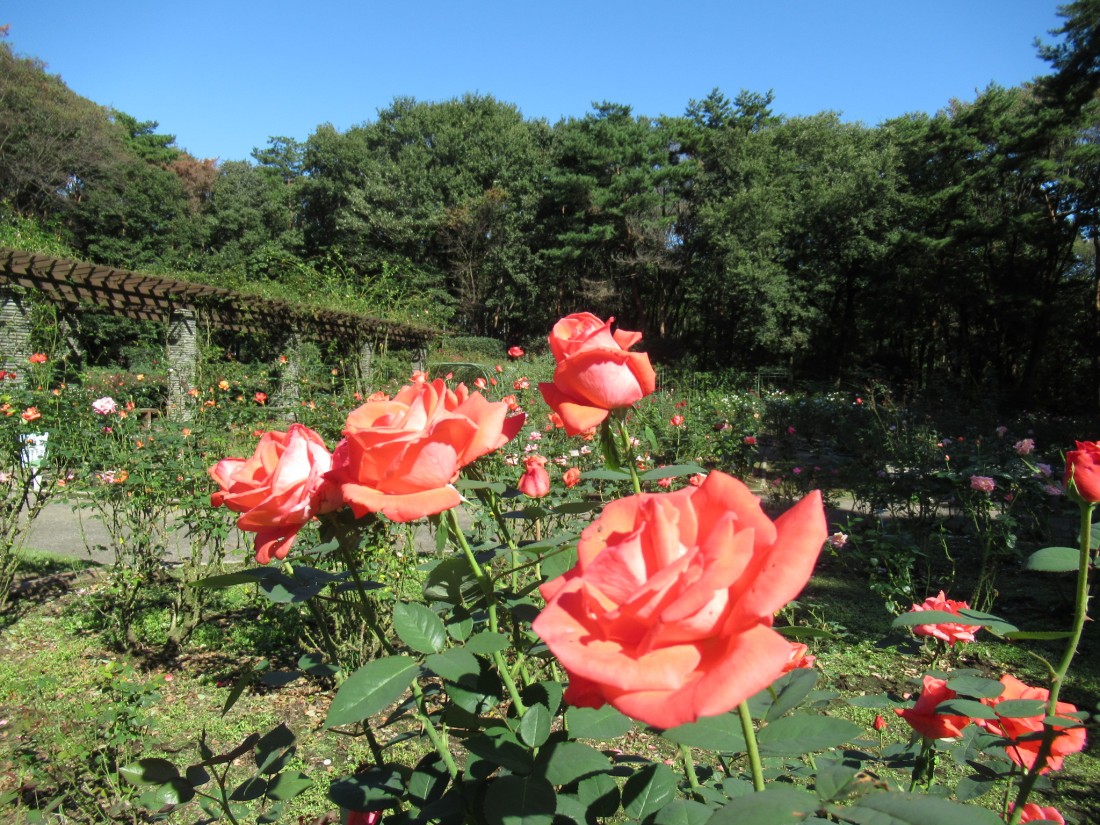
(1083, 469)
(595, 373)
(400, 457)
(278, 490)
(1022, 730)
(667, 615)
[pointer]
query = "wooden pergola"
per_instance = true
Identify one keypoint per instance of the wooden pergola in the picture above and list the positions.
(78, 287)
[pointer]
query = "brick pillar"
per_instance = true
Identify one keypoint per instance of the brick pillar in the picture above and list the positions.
(366, 367)
(183, 350)
(15, 332)
(288, 393)
(420, 359)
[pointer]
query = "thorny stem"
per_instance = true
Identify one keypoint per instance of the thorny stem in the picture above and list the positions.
(365, 610)
(1058, 678)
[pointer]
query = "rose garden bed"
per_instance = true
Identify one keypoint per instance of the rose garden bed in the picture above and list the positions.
(596, 638)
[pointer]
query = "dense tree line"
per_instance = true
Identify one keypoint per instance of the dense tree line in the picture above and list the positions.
(957, 249)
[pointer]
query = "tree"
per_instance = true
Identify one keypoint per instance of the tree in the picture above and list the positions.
(449, 187)
(52, 141)
(609, 214)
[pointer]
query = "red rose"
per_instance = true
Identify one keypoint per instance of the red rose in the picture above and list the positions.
(1017, 728)
(667, 615)
(515, 352)
(594, 373)
(278, 489)
(1032, 812)
(922, 717)
(1083, 468)
(535, 481)
(949, 632)
(879, 724)
(401, 457)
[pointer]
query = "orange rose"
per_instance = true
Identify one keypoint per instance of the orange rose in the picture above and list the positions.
(594, 373)
(1083, 468)
(401, 457)
(1027, 728)
(922, 717)
(278, 489)
(571, 477)
(667, 615)
(800, 658)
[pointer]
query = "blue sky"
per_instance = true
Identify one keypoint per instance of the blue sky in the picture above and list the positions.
(223, 76)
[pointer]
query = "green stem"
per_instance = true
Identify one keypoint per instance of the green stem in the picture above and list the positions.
(429, 728)
(689, 769)
(375, 748)
(366, 610)
(322, 625)
(1008, 793)
(1080, 616)
(224, 795)
(924, 769)
(486, 584)
(625, 454)
(751, 747)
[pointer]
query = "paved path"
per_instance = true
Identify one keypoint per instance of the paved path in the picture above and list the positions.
(77, 533)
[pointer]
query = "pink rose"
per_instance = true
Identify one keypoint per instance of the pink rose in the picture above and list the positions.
(278, 490)
(535, 481)
(595, 373)
(104, 406)
(949, 632)
(1024, 447)
(668, 613)
(982, 484)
